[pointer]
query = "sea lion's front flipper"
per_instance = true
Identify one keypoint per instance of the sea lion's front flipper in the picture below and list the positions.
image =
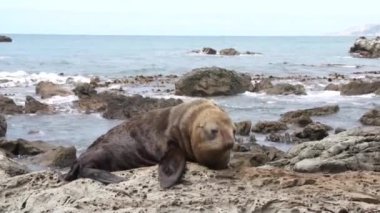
(171, 166)
(100, 175)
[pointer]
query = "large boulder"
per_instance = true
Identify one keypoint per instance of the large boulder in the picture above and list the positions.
(3, 126)
(294, 116)
(212, 81)
(269, 126)
(229, 52)
(34, 106)
(286, 89)
(371, 118)
(355, 149)
(116, 106)
(5, 38)
(359, 87)
(8, 106)
(366, 48)
(208, 51)
(48, 89)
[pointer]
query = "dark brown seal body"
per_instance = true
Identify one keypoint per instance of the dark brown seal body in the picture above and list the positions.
(197, 131)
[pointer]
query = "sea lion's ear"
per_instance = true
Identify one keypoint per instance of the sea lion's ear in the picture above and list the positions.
(171, 166)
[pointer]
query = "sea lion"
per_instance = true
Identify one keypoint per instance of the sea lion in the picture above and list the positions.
(197, 131)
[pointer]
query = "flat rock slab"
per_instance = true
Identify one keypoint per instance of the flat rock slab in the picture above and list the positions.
(244, 190)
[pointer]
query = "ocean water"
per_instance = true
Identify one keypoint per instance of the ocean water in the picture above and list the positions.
(32, 58)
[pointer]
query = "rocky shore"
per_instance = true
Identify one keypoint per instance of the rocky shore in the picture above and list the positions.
(328, 169)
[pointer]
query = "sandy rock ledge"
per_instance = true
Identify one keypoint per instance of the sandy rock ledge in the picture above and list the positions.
(245, 190)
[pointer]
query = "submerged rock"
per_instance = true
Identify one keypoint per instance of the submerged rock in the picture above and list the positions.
(371, 118)
(359, 87)
(212, 81)
(3, 126)
(366, 48)
(8, 106)
(48, 89)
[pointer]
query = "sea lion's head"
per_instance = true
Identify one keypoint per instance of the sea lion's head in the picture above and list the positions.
(212, 137)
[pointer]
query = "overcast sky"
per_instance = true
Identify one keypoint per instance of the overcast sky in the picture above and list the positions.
(191, 17)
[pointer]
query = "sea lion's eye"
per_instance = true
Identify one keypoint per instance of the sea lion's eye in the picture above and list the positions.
(214, 131)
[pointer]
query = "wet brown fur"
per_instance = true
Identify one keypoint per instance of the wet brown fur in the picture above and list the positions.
(197, 131)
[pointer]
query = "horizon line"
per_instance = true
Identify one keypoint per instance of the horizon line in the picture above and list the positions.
(175, 35)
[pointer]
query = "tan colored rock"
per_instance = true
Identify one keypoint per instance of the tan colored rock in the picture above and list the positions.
(247, 189)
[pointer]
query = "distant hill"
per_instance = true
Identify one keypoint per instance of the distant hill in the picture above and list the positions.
(366, 30)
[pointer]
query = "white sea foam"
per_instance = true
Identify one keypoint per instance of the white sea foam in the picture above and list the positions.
(24, 79)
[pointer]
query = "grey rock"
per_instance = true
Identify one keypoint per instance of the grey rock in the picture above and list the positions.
(212, 81)
(34, 106)
(269, 126)
(208, 51)
(229, 52)
(366, 48)
(355, 149)
(3, 126)
(243, 127)
(371, 118)
(5, 38)
(286, 89)
(359, 87)
(48, 89)
(8, 106)
(294, 116)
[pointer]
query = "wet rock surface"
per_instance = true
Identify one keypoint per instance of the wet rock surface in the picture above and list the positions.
(294, 116)
(286, 89)
(359, 87)
(208, 51)
(117, 106)
(8, 106)
(366, 48)
(48, 89)
(243, 127)
(4, 38)
(212, 81)
(371, 118)
(3, 126)
(34, 106)
(229, 52)
(269, 126)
